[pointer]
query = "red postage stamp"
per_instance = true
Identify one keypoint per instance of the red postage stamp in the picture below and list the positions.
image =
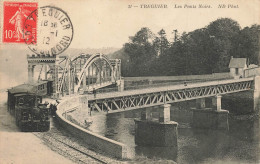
(15, 15)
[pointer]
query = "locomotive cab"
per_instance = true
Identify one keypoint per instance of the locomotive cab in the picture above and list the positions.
(30, 114)
(25, 102)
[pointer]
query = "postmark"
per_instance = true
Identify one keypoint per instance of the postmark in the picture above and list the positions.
(54, 31)
(15, 14)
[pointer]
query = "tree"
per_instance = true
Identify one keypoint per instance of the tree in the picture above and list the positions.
(246, 44)
(141, 52)
(143, 36)
(202, 51)
(162, 42)
(224, 31)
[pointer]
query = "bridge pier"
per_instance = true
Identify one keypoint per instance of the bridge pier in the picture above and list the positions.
(216, 103)
(200, 103)
(146, 115)
(30, 73)
(165, 114)
(211, 118)
(55, 78)
(153, 133)
(45, 72)
(121, 84)
(256, 94)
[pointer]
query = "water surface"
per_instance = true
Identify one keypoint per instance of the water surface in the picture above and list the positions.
(241, 144)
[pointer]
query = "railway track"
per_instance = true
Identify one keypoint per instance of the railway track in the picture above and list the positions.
(71, 147)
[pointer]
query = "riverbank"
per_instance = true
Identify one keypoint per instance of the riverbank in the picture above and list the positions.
(194, 145)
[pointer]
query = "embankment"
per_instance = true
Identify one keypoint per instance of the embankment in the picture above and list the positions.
(95, 141)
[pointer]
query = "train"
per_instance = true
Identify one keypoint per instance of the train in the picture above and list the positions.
(25, 103)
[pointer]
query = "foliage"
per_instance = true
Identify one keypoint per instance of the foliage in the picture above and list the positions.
(246, 44)
(141, 52)
(202, 51)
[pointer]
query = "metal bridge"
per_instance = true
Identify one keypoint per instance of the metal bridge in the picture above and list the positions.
(80, 73)
(141, 98)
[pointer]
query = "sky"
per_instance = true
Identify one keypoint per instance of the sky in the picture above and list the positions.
(109, 23)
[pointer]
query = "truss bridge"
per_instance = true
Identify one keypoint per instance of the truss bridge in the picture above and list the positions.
(141, 98)
(80, 74)
(75, 74)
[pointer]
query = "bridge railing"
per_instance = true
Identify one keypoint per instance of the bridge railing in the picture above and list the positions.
(161, 84)
(140, 98)
(105, 90)
(184, 82)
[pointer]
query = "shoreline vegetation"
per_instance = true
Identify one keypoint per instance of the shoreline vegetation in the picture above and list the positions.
(203, 51)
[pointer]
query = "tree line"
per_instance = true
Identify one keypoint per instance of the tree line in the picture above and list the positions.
(203, 51)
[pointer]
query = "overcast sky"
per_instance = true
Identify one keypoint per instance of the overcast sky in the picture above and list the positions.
(109, 23)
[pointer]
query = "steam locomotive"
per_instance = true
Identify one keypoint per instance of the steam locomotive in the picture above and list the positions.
(25, 103)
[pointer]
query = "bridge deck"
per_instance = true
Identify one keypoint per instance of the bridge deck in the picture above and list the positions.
(140, 98)
(164, 88)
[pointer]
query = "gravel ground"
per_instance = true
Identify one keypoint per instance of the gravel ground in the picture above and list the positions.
(58, 140)
(22, 148)
(40, 147)
(26, 148)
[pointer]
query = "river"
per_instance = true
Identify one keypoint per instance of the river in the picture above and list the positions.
(241, 144)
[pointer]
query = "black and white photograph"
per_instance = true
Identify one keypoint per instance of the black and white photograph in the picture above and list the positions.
(130, 81)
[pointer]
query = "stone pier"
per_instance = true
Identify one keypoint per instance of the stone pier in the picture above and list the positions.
(156, 133)
(30, 73)
(211, 118)
(121, 84)
(165, 114)
(200, 103)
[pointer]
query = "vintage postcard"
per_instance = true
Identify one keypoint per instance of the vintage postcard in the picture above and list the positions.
(139, 81)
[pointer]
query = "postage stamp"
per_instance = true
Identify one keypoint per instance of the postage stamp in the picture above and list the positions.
(15, 14)
(55, 31)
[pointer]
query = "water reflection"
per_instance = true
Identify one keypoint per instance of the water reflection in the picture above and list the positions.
(168, 153)
(238, 145)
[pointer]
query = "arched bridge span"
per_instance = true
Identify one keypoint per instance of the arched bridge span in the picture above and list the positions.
(78, 73)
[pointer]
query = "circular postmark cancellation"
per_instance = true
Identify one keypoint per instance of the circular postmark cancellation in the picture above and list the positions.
(53, 33)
